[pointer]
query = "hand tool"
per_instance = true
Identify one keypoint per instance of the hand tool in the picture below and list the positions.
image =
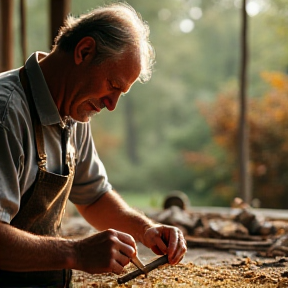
(137, 262)
(149, 267)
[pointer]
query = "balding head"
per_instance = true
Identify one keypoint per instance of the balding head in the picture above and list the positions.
(116, 29)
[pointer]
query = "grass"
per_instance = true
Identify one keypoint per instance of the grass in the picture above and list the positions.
(144, 201)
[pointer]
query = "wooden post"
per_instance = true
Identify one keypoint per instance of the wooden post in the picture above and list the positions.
(6, 35)
(23, 30)
(59, 10)
(244, 185)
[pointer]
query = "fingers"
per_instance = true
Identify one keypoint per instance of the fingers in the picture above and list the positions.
(108, 251)
(161, 245)
(168, 240)
(128, 244)
(154, 239)
(127, 251)
(176, 247)
(125, 248)
(125, 238)
(156, 250)
(119, 263)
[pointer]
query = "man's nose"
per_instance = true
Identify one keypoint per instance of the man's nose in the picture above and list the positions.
(111, 101)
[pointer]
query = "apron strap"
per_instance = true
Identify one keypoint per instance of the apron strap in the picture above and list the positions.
(39, 138)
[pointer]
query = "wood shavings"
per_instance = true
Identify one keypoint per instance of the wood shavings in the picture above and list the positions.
(248, 273)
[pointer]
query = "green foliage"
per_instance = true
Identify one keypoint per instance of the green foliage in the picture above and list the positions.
(189, 67)
(268, 138)
(172, 140)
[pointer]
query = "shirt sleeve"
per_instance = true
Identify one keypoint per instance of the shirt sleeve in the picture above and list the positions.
(90, 181)
(16, 146)
(10, 168)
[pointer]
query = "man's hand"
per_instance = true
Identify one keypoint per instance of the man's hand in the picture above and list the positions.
(107, 251)
(164, 239)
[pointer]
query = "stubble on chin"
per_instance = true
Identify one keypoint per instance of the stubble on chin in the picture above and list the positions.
(84, 115)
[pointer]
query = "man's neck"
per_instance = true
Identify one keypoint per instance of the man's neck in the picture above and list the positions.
(56, 68)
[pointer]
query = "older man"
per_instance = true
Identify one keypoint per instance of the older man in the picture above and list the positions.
(48, 155)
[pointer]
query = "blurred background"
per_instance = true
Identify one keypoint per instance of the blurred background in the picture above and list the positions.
(179, 130)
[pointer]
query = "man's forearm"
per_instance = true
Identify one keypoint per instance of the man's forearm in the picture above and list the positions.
(111, 211)
(22, 251)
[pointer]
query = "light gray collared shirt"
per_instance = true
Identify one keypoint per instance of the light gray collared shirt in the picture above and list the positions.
(18, 166)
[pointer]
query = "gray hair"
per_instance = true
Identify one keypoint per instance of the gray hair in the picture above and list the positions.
(116, 28)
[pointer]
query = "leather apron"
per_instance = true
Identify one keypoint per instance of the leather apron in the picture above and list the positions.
(42, 206)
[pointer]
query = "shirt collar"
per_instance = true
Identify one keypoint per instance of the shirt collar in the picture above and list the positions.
(45, 105)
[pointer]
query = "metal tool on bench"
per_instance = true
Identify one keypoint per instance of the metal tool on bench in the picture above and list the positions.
(147, 268)
(137, 262)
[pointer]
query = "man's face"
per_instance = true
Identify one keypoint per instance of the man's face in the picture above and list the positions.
(101, 86)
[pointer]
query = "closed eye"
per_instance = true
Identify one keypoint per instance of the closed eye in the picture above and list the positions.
(114, 85)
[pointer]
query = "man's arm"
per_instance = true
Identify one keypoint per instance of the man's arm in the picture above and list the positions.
(111, 211)
(22, 251)
(108, 251)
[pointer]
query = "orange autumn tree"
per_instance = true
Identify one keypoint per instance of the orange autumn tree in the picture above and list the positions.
(268, 137)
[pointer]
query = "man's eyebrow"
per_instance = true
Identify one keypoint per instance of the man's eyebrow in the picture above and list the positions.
(122, 86)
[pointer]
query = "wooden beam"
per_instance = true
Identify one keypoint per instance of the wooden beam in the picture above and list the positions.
(6, 35)
(228, 244)
(244, 181)
(23, 34)
(59, 9)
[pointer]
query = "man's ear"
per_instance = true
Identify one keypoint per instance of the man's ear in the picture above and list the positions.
(84, 50)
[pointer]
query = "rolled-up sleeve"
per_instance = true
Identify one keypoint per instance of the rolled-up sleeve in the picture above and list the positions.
(91, 180)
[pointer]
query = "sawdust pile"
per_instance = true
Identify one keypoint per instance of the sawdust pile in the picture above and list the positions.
(241, 273)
